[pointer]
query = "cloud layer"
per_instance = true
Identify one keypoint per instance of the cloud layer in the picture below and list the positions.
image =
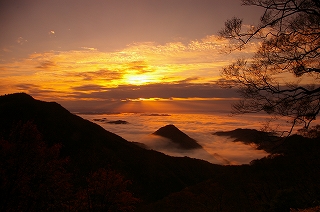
(198, 126)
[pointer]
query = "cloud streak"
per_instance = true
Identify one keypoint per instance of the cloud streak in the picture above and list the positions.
(103, 75)
(161, 91)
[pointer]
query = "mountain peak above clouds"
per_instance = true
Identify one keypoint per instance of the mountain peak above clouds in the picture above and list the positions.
(178, 137)
(180, 144)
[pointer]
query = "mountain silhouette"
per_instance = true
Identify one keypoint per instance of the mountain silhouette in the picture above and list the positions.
(264, 140)
(177, 137)
(91, 147)
(279, 182)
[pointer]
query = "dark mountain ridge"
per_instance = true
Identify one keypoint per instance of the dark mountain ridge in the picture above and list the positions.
(264, 140)
(90, 147)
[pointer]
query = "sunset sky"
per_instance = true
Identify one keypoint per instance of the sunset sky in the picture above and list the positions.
(120, 55)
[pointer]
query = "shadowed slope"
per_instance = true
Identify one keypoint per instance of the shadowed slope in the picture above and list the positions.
(89, 146)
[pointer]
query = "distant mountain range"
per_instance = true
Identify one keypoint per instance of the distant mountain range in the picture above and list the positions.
(288, 178)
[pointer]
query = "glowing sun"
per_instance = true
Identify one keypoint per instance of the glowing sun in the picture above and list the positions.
(138, 79)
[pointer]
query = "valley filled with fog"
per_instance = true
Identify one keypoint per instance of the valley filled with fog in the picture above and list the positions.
(138, 127)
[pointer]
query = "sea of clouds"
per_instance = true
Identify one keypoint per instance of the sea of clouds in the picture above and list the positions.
(216, 149)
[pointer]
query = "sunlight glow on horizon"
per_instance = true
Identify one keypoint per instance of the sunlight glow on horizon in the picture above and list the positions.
(63, 73)
(139, 79)
(75, 51)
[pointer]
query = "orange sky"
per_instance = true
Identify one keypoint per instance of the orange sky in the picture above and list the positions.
(116, 52)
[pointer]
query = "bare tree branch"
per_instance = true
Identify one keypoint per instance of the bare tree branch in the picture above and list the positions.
(289, 32)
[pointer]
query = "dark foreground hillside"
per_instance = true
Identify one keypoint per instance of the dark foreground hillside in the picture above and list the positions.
(88, 148)
(52, 160)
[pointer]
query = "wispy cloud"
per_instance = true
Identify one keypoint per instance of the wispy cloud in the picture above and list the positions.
(89, 87)
(102, 75)
(154, 91)
(47, 64)
(21, 40)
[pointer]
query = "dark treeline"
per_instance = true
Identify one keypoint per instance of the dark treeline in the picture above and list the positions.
(52, 160)
(34, 177)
